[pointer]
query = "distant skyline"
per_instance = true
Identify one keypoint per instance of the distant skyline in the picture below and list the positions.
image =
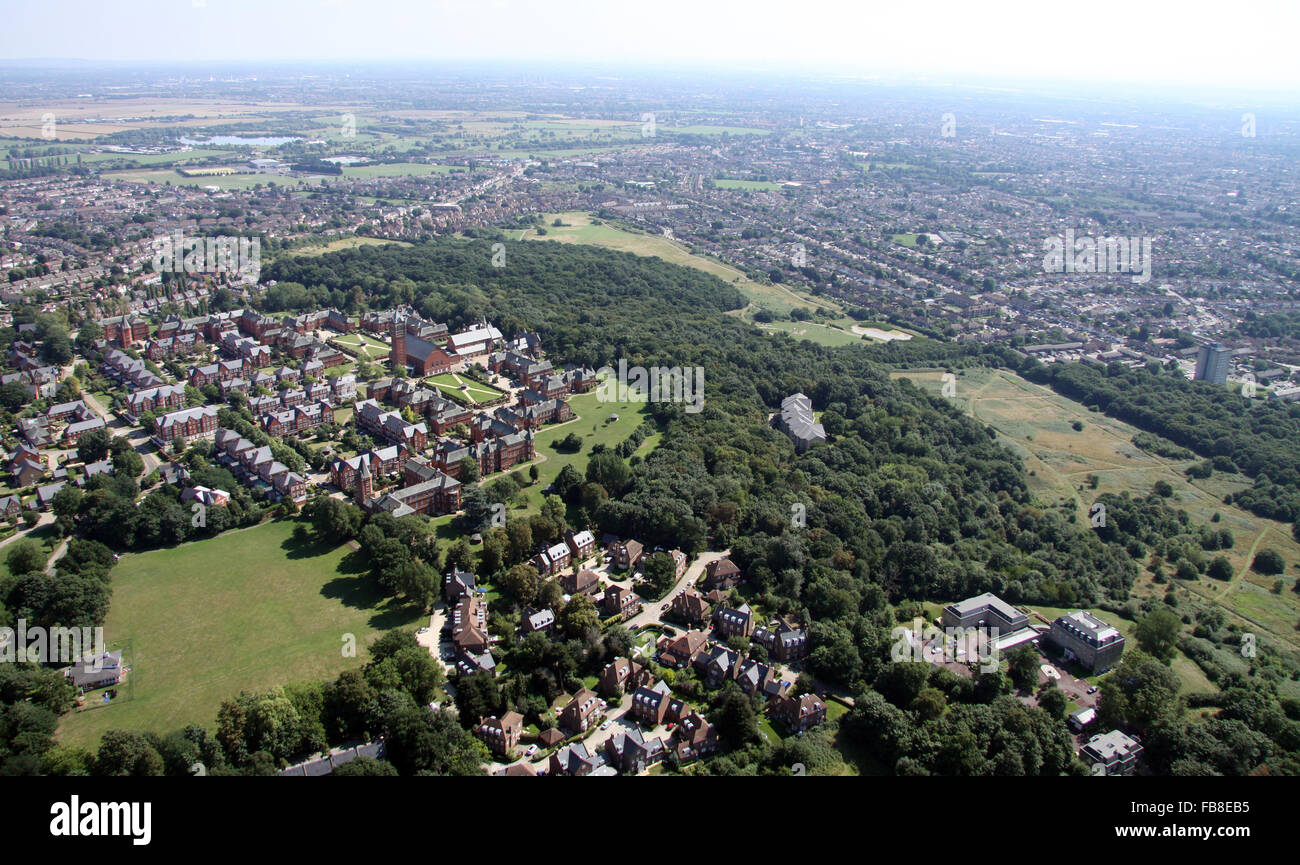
(1246, 45)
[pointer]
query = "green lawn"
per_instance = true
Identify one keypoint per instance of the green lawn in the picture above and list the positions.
(593, 426)
(450, 385)
(249, 610)
(46, 535)
(368, 348)
(813, 331)
(221, 181)
(765, 185)
(396, 169)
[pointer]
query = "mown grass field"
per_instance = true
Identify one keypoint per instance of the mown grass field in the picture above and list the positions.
(1037, 424)
(822, 334)
(248, 610)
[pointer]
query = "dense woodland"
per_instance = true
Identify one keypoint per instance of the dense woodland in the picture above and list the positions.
(910, 501)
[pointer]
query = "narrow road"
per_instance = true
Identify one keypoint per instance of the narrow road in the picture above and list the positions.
(652, 615)
(58, 554)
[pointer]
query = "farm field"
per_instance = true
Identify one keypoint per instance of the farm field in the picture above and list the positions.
(1037, 424)
(249, 610)
(460, 388)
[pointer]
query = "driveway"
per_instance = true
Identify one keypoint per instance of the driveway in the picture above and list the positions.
(652, 615)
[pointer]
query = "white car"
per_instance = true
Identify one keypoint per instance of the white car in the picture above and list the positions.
(605, 726)
(530, 750)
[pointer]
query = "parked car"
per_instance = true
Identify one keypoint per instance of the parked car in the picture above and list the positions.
(530, 750)
(605, 726)
(1092, 690)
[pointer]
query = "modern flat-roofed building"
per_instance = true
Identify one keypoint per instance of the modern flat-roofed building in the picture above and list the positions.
(1116, 751)
(1087, 639)
(986, 610)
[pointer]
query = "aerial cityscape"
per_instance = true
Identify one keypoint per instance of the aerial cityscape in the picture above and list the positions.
(517, 418)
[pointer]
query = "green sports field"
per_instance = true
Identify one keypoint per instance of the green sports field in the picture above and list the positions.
(249, 610)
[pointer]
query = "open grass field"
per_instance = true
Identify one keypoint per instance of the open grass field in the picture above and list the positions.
(227, 181)
(1037, 424)
(764, 185)
(343, 243)
(249, 610)
(397, 169)
(593, 425)
(82, 119)
(704, 129)
(461, 388)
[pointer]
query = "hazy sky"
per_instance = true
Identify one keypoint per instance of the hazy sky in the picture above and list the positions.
(1244, 43)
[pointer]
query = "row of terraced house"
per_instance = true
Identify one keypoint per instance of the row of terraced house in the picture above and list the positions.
(253, 465)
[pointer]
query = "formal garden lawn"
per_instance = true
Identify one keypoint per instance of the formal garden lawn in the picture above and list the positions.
(463, 389)
(249, 610)
(368, 348)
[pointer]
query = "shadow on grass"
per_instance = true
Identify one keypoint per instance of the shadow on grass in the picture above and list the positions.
(394, 615)
(361, 594)
(356, 592)
(305, 548)
(355, 562)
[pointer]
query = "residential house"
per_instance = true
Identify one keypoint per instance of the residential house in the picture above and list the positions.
(681, 651)
(501, 735)
(621, 602)
(734, 622)
(582, 712)
(653, 705)
(721, 574)
(799, 714)
(585, 582)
